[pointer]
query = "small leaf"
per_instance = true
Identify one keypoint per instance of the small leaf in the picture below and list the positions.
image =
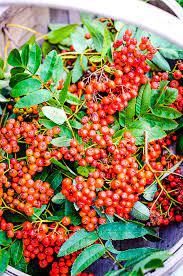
(150, 192)
(57, 115)
(77, 241)
(166, 124)
(106, 43)
(64, 91)
(14, 58)
(95, 59)
(121, 231)
(75, 124)
(157, 94)
(61, 141)
(38, 212)
(130, 111)
(72, 99)
(34, 98)
(143, 99)
(21, 265)
(42, 175)
(25, 87)
(17, 78)
(83, 171)
(4, 240)
(77, 71)
(95, 33)
(87, 257)
(169, 96)
(47, 67)
(140, 211)
(134, 253)
(161, 62)
(169, 53)
(166, 112)
(109, 246)
(34, 58)
(58, 70)
(78, 40)
(58, 198)
(55, 180)
(58, 35)
(25, 54)
(4, 260)
(122, 115)
(16, 252)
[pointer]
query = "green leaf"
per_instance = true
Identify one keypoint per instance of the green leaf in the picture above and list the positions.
(95, 59)
(64, 91)
(106, 43)
(34, 58)
(58, 35)
(143, 99)
(42, 175)
(166, 112)
(115, 272)
(72, 99)
(55, 180)
(109, 246)
(46, 48)
(25, 54)
(87, 257)
(157, 94)
(77, 70)
(161, 255)
(21, 265)
(16, 251)
(57, 115)
(1, 63)
(25, 87)
(153, 120)
(46, 69)
(65, 132)
(95, 33)
(169, 53)
(17, 78)
(4, 260)
(34, 98)
(38, 212)
(122, 230)
(75, 124)
(150, 192)
(122, 115)
(77, 241)
(78, 40)
(61, 141)
(134, 253)
(83, 171)
(130, 111)
(58, 70)
(58, 198)
(140, 211)
(161, 62)
(70, 173)
(14, 58)
(169, 96)
(3, 99)
(4, 240)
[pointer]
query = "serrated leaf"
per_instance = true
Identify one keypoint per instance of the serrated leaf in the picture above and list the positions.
(34, 98)
(34, 58)
(72, 99)
(161, 62)
(107, 41)
(87, 257)
(140, 211)
(4, 240)
(25, 54)
(122, 230)
(79, 240)
(4, 260)
(150, 192)
(58, 198)
(77, 71)
(169, 96)
(143, 99)
(25, 87)
(157, 94)
(134, 253)
(95, 33)
(16, 252)
(46, 69)
(78, 40)
(57, 115)
(58, 70)
(83, 171)
(166, 112)
(169, 53)
(17, 78)
(165, 124)
(61, 141)
(64, 91)
(122, 115)
(14, 58)
(58, 35)
(55, 180)
(130, 111)
(21, 265)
